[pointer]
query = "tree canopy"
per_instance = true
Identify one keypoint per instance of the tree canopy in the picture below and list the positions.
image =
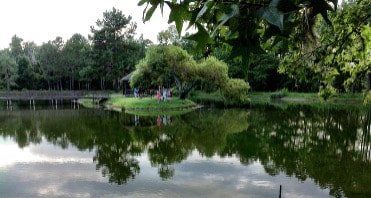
(243, 24)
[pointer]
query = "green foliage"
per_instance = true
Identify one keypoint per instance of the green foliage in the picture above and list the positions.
(235, 91)
(8, 71)
(280, 94)
(167, 66)
(339, 55)
(367, 99)
(50, 60)
(169, 36)
(16, 49)
(112, 42)
(148, 103)
(213, 74)
(239, 23)
(171, 66)
(76, 57)
(327, 92)
(26, 75)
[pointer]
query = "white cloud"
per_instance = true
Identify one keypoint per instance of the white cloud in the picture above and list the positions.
(43, 20)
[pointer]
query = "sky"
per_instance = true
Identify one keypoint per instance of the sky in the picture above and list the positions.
(43, 20)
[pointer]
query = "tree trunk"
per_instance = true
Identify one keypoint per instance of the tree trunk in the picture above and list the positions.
(70, 83)
(368, 76)
(183, 95)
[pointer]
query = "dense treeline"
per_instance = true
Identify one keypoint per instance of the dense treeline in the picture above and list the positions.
(282, 48)
(97, 62)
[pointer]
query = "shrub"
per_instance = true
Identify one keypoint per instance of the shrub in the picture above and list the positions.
(367, 99)
(213, 74)
(235, 91)
(280, 94)
(327, 92)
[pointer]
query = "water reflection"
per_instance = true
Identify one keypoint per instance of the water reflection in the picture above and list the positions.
(330, 146)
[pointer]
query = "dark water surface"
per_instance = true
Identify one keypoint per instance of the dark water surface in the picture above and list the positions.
(311, 152)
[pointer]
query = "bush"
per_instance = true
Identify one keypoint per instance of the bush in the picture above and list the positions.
(213, 74)
(235, 91)
(327, 92)
(280, 94)
(367, 99)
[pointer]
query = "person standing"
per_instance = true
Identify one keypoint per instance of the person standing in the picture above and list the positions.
(164, 94)
(158, 95)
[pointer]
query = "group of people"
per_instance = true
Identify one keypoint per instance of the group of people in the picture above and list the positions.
(163, 94)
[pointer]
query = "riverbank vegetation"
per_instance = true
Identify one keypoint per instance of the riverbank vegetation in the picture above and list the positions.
(142, 106)
(149, 103)
(282, 51)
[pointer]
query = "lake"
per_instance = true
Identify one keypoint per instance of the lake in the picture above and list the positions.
(67, 152)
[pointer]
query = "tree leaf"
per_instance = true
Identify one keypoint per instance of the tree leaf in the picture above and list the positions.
(178, 14)
(209, 4)
(150, 12)
(234, 11)
(202, 37)
(272, 14)
(142, 2)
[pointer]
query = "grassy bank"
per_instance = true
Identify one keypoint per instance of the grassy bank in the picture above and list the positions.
(268, 98)
(144, 106)
(150, 103)
(150, 106)
(305, 98)
(214, 99)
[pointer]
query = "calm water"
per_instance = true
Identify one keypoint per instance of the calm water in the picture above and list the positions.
(311, 152)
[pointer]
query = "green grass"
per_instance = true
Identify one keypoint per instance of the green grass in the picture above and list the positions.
(150, 103)
(148, 106)
(306, 98)
(264, 98)
(207, 98)
(175, 106)
(88, 103)
(215, 99)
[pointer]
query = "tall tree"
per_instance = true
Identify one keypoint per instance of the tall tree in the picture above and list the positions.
(8, 70)
(16, 48)
(50, 59)
(111, 39)
(76, 56)
(169, 36)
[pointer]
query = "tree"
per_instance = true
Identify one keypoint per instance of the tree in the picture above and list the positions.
(16, 49)
(243, 24)
(169, 36)
(76, 57)
(8, 70)
(340, 56)
(171, 66)
(213, 74)
(25, 73)
(112, 42)
(50, 59)
(166, 66)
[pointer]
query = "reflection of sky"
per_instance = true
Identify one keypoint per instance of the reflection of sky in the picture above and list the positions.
(47, 170)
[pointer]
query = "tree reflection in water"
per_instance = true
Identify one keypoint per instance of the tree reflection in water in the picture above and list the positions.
(331, 146)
